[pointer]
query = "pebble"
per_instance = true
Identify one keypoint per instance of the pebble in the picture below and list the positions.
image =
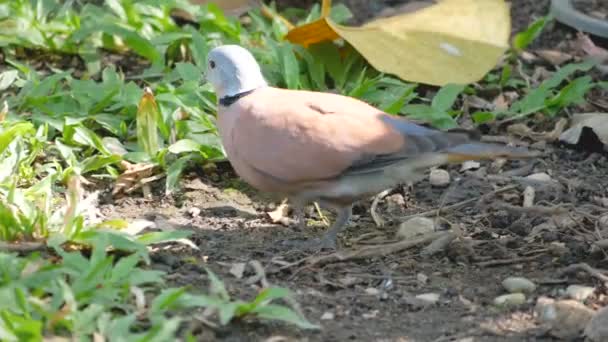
(372, 291)
(422, 278)
(564, 319)
(439, 178)
(518, 285)
(540, 177)
(597, 329)
(603, 221)
(579, 292)
(194, 211)
(430, 298)
(511, 299)
(415, 226)
(328, 316)
(470, 165)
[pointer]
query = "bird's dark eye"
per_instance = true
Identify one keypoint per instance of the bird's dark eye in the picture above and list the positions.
(212, 64)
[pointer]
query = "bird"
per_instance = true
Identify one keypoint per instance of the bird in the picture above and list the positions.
(311, 146)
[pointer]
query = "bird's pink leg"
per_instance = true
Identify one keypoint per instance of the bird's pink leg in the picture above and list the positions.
(329, 239)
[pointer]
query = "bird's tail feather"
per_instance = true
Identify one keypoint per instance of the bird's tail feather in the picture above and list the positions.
(486, 151)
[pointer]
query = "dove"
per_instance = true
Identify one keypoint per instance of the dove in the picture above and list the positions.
(322, 147)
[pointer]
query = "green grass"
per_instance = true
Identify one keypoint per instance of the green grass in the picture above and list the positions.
(61, 125)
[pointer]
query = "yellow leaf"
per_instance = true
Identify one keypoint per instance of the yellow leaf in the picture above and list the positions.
(454, 41)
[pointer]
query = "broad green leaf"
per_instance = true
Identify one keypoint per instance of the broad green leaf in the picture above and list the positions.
(522, 39)
(282, 313)
(188, 72)
(148, 116)
(216, 286)
(184, 145)
(446, 96)
(174, 173)
(483, 117)
(290, 66)
(163, 236)
(7, 78)
(199, 49)
(16, 129)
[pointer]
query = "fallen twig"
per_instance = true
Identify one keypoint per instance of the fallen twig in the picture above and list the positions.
(594, 272)
(440, 244)
(21, 247)
(436, 212)
(378, 220)
(535, 209)
(501, 262)
(372, 251)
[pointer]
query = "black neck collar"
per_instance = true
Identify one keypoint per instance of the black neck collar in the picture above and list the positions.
(228, 100)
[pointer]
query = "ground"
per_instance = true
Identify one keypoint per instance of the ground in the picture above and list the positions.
(373, 298)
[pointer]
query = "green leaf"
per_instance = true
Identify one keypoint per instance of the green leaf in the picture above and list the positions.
(16, 129)
(523, 39)
(216, 286)
(227, 312)
(85, 136)
(148, 116)
(134, 41)
(97, 162)
(174, 173)
(7, 78)
(282, 313)
(188, 72)
(184, 145)
(168, 299)
(573, 93)
(199, 49)
(163, 236)
(483, 117)
(289, 63)
(446, 96)
(270, 293)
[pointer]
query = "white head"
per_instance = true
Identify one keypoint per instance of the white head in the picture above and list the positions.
(232, 69)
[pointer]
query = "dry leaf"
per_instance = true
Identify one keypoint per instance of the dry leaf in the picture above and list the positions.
(554, 57)
(134, 177)
(585, 44)
(500, 103)
(524, 131)
(454, 41)
(595, 122)
(280, 214)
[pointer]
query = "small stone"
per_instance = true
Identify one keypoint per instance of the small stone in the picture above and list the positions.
(430, 298)
(597, 329)
(414, 227)
(372, 291)
(371, 314)
(194, 211)
(518, 285)
(328, 316)
(540, 177)
(237, 269)
(579, 292)
(422, 278)
(603, 222)
(439, 178)
(564, 319)
(497, 165)
(512, 299)
(395, 203)
(470, 165)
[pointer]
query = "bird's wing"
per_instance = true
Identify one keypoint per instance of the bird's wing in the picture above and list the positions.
(300, 136)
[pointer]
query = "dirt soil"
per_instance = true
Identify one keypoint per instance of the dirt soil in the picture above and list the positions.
(374, 298)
